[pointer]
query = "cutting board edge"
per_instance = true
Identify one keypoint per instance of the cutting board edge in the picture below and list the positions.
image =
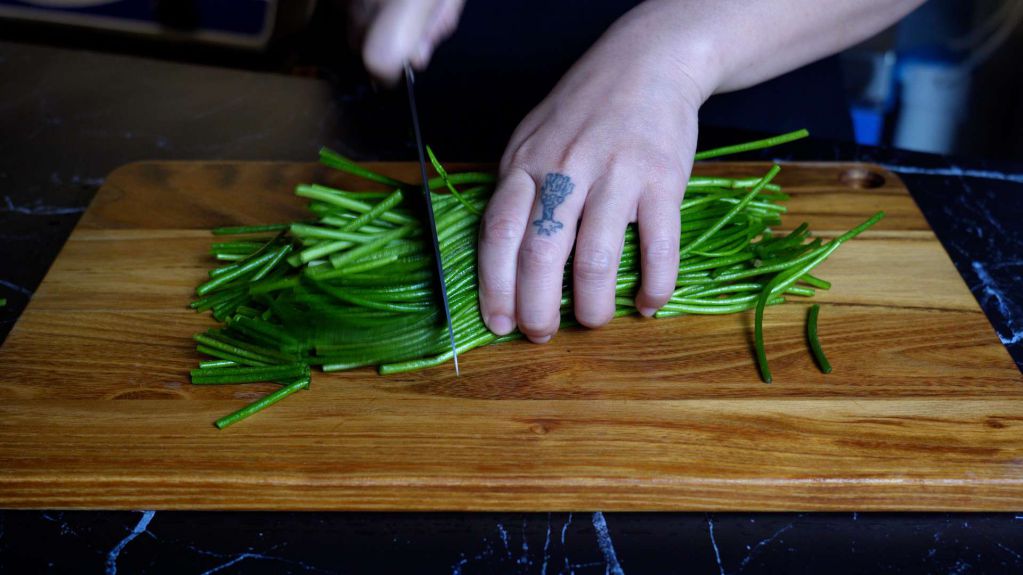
(805, 496)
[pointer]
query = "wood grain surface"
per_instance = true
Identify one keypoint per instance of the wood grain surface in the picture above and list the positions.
(923, 411)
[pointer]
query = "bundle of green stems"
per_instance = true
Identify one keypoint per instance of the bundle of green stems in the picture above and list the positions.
(354, 286)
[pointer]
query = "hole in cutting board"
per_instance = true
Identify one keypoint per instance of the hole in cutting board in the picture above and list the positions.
(861, 178)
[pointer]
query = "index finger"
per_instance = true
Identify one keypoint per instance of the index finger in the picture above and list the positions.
(501, 234)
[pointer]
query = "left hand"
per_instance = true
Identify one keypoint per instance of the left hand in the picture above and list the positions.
(612, 144)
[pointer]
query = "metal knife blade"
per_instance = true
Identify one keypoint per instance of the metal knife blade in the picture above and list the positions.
(409, 83)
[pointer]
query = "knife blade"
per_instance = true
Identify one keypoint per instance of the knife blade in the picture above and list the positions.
(409, 83)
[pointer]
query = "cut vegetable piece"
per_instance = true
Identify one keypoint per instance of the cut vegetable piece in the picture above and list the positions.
(815, 342)
(261, 404)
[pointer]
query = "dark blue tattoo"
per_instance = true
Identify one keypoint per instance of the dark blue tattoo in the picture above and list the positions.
(556, 187)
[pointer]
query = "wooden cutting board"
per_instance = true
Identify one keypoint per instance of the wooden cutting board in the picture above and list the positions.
(923, 411)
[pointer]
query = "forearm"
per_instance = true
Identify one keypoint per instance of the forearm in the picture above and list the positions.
(725, 45)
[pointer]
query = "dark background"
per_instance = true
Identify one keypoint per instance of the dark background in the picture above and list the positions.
(505, 56)
(77, 102)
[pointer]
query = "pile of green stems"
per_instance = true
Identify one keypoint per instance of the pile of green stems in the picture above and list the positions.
(354, 285)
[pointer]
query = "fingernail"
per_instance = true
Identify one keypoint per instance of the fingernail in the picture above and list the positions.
(647, 311)
(500, 324)
(542, 339)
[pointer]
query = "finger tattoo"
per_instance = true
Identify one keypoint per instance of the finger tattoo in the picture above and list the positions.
(556, 187)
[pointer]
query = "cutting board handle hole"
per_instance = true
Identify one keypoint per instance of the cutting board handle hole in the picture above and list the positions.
(861, 178)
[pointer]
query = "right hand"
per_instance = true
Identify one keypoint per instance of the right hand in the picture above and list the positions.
(400, 31)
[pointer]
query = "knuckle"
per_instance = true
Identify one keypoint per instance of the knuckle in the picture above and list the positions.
(592, 263)
(499, 228)
(660, 252)
(667, 186)
(662, 172)
(573, 155)
(538, 255)
(517, 160)
(496, 289)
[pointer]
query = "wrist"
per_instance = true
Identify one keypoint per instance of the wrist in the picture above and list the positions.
(677, 45)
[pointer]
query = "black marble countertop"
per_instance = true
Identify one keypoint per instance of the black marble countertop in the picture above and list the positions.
(68, 118)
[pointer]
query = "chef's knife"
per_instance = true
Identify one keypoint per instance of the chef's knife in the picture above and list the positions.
(409, 83)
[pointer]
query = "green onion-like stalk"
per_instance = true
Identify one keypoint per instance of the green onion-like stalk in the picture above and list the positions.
(352, 285)
(815, 342)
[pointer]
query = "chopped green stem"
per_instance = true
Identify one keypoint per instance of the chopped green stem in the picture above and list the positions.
(391, 368)
(815, 342)
(697, 182)
(216, 363)
(731, 288)
(337, 198)
(732, 212)
(713, 309)
(213, 343)
(225, 309)
(447, 182)
(785, 279)
(232, 375)
(339, 260)
(226, 355)
(337, 161)
(261, 404)
(749, 146)
(272, 355)
(799, 290)
(228, 277)
(235, 230)
(304, 230)
(815, 282)
(322, 249)
(464, 178)
(378, 210)
(348, 297)
(274, 285)
(269, 266)
(217, 298)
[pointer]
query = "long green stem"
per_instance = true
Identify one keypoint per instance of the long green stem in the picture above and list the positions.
(815, 342)
(750, 146)
(263, 403)
(731, 212)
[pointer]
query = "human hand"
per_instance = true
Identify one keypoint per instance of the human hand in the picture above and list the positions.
(399, 31)
(612, 144)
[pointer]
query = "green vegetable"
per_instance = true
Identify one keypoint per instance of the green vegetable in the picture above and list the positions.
(225, 375)
(750, 146)
(791, 275)
(815, 342)
(352, 287)
(250, 229)
(263, 403)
